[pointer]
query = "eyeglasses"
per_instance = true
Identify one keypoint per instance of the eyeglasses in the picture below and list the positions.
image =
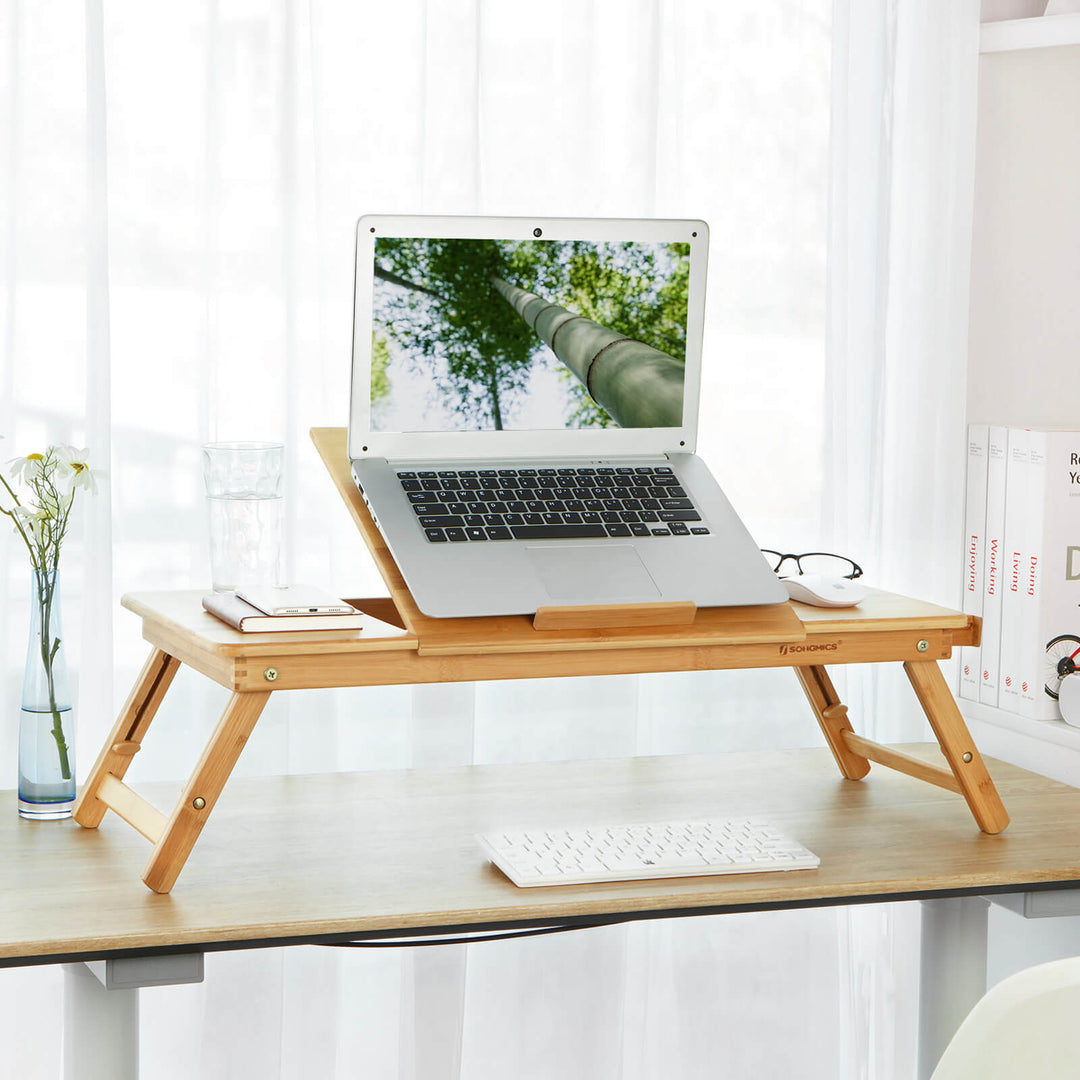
(814, 562)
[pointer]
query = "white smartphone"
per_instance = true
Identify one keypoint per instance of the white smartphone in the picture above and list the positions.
(293, 600)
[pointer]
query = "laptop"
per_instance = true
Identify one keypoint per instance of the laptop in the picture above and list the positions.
(524, 411)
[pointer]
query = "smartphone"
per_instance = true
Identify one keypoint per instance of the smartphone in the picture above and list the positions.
(293, 600)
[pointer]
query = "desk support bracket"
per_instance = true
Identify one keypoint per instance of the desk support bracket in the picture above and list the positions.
(101, 1010)
(952, 973)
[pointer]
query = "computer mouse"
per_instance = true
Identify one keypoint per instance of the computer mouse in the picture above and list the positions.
(823, 591)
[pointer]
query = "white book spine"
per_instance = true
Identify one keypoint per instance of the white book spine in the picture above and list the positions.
(989, 653)
(1055, 636)
(1017, 518)
(1032, 640)
(974, 551)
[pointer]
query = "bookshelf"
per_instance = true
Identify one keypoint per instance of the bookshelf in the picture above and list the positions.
(1046, 31)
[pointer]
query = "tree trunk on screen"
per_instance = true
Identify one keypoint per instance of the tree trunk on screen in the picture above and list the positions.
(496, 411)
(395, 279)
(638, 385)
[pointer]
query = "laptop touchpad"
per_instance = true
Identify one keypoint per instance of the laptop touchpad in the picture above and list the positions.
(582, 575)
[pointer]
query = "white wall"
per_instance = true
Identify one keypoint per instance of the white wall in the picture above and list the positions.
(1024, 350)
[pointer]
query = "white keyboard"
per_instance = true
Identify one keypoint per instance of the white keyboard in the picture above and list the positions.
(656, 850)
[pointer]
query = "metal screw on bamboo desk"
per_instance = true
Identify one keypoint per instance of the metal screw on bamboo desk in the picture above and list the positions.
(270, 674)
(923, 645)
(198, 803)
(967, 758)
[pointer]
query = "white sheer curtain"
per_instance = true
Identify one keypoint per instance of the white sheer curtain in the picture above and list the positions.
(179, 189)
(902, 182)
(903, 167)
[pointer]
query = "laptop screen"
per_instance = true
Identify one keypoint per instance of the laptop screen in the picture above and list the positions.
(483, 334)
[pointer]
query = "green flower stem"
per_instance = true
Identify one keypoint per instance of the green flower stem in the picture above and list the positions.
(46, 592)
(42, 523)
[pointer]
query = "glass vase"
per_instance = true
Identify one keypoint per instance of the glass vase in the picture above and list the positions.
(47, 722)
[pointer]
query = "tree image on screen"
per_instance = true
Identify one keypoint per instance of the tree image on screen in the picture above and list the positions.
(491, 335)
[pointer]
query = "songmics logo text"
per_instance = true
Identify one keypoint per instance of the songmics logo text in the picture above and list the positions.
(824, 646)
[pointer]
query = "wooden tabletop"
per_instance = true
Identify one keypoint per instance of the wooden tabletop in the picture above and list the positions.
(884, 627)
(297, 859)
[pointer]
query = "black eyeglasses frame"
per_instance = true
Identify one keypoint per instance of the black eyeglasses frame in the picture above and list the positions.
(781, 558)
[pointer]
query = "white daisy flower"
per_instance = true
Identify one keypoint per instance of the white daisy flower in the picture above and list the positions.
(27, 468)
(73, 469)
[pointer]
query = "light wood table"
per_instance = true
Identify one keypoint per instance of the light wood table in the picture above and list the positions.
(380, 855)
(367, 854)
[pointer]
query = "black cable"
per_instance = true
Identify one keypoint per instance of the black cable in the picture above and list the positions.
(463, 939)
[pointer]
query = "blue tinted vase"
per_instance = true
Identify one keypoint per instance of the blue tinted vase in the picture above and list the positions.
(47, 722)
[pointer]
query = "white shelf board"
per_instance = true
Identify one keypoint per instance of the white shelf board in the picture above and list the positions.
(1047, 747)
(1043, 32)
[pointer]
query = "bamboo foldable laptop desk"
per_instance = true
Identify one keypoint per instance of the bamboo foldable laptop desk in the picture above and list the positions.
(402, 646)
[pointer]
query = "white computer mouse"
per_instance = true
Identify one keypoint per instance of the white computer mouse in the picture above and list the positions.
(823, 591)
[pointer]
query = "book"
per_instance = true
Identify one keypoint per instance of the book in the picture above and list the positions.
(241, 615)
(1020, 513)
(1048, 627)
(1035, 571)
(993, 554)
(1030, 567)
(974, 551)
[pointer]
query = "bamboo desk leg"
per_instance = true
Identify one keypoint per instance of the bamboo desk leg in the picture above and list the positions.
(126, 737)
(833, 718)
(957, 744)
(175, 836)
(967, 774)
(201, 792)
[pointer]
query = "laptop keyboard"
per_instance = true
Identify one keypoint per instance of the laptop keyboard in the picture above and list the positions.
(460, 505)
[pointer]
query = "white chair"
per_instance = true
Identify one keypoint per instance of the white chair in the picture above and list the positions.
(1025, 1028)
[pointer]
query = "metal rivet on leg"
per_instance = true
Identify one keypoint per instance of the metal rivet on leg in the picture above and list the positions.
(967, 758)
(198, 803)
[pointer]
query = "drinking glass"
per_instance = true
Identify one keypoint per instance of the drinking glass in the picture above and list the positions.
(245, 499)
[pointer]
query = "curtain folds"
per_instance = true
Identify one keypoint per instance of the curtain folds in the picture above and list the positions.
(180, 188)
(902, 185)
(904, 77)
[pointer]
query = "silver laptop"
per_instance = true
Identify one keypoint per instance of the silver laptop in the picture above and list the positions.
(524, 411)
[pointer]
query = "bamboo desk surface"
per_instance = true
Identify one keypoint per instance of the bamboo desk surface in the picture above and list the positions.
(884, 627)
(322, 858)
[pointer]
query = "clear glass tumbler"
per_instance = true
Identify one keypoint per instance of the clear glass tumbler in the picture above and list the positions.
(245, 498)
